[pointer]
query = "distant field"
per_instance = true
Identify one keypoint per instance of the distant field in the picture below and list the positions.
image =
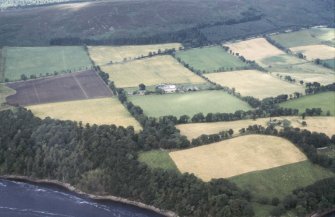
(94, 111)
(313, 52)
(314, 124)
(321, 78)
(255, 83)
(4, 92)
(43, 60)
(151, 71)
(103, 55)
(281, 62)
(281, 181)
(255, 49)
(209, 59)
(189, 103)
(237, 156)
(157, 159)
(325, 101)
(305, 37)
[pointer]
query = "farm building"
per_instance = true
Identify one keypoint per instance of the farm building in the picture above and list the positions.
(167, 88)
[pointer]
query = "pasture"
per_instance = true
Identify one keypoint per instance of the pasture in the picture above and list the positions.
(314, 124)
(5, 92)
(280, 62)
(74, 86)
(157, 159)
(313, 52)
(42, 61)
(209, 59)
(151, 71)
(322, 78)
(325, 101)
(254, 49)
(103, 55)
(254, 83)
(305, 37)
(281, 181)
(93, 111)
(189, 103)
(236, 156)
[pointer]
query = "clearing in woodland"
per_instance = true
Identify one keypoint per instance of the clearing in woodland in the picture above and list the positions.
(189, 103)
(157, 159)
(236, 156)
(93, 111)
(254, 83)
(151, 71)
(210, 59)
(312, 52)
(102, 55)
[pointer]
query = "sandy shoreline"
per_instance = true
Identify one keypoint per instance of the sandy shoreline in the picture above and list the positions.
(97, 198)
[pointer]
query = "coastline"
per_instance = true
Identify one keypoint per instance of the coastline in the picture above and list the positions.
(96, 198)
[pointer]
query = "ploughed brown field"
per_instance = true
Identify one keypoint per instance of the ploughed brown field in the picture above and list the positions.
(75, 86)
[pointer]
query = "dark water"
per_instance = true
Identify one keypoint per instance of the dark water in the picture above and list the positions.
(26, 200)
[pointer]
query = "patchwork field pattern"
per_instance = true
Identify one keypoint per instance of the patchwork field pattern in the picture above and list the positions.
(103, 55)
(151, 71)
(209, 59)
(255, 49)
(93, 111)
(254, 83)
(325, 101)
(189, 103)
(41, 61)
(72, 86)
(314, 124)
(237, 156)
(313, 52)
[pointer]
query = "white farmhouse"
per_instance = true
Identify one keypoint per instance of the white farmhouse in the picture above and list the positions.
(167, 88)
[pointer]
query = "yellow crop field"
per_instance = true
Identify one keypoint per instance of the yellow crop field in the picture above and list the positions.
(324, 79)
(314, 124)
(254, 49)
(313, 52)
(151, 71)
(254, 83)
(103, 55)
(93, 111)
(237, 156)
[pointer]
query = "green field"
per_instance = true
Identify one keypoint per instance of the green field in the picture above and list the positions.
(305, 37)
(281, 181)
(209, 59)
(330, 63)
(41, 61)
(4, 92)
(157, 159)
(189, 103)
(325, 101)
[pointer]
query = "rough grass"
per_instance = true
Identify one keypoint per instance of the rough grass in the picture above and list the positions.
(321, 78)
(255, 49)
(4, 92)
(237, 156)
(255, 83)
(189, 103)
(325, 101)
(314, 124)
(209, 59)
(93, 111)
(157, 159)
(305, 37)
(313, 52)
(103, 55)
(151, 71)
(43, 60)
(281, 181)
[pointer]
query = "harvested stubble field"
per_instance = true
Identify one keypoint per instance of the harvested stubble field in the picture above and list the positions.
(321, 78)
(314, 124)
(281, 181)
(189, 103)
(305, 37)
(313, 52)
(41, 61)
(254, 83)
(325, 101)
(74, 86)
(93, 111)
(151, 71)
(102, 55)
(237, 156)
(254, 49)
(209, 59)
